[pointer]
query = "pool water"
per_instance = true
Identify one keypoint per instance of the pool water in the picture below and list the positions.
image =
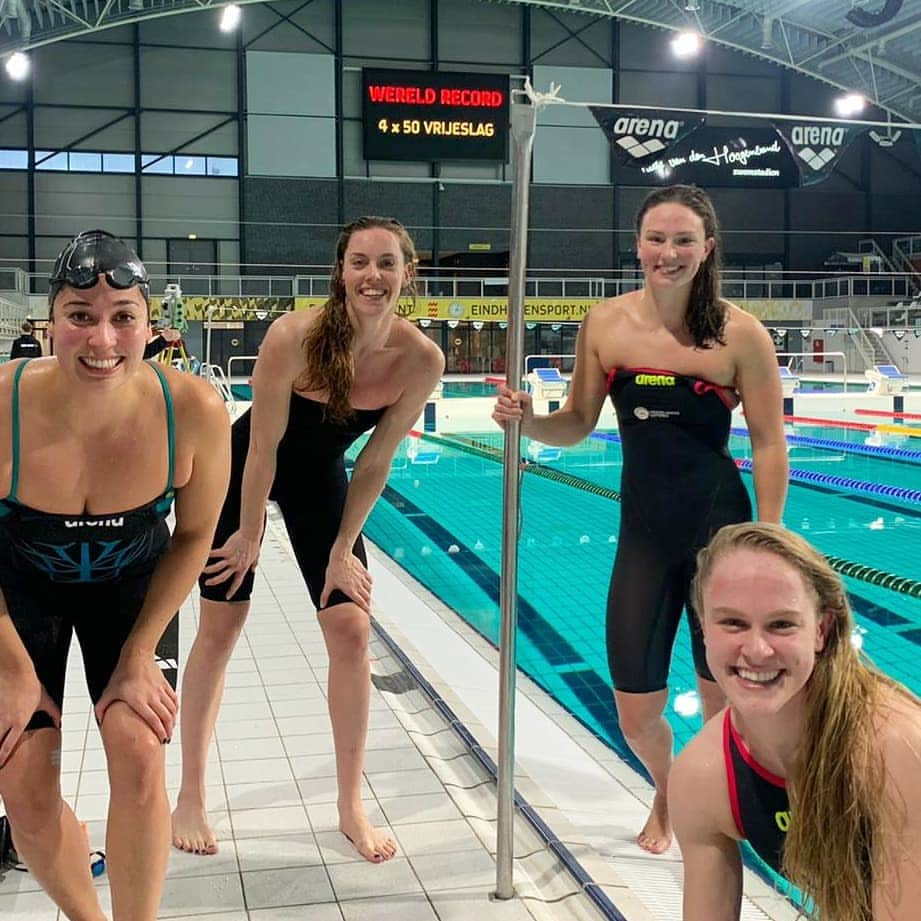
(856, 385)
(440, 518)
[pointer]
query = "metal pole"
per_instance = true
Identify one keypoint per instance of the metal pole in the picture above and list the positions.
(208, 321)
(524, 123)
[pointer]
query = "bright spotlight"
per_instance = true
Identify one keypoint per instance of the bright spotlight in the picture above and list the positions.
(692, 6)
(850, 104)
(686, 44)
(17, 65)
(230, 18)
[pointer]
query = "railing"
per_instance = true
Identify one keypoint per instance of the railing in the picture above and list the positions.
(871, 248)
(821, 357)
(528, 368)
(11, 317)
(905, 252)
(215, 376)
(434, 283)
(234, 358)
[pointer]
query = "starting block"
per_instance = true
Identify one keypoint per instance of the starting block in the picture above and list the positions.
(789, 382)
(547, 384)
(885, 380)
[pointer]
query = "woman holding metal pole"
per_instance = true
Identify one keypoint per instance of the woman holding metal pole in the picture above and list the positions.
(675, 358)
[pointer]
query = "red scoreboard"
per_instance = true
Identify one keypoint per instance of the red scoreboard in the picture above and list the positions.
(435, 115)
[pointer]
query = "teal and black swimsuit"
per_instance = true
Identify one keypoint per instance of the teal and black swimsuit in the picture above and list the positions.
(78, 573)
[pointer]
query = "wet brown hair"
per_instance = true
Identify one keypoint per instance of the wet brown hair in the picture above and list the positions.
(706, 313)
(328, 344)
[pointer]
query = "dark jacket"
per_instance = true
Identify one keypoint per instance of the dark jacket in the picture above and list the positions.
(26, 346)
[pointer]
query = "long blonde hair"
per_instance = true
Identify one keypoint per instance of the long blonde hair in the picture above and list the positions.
(841, 827)
(328, 344)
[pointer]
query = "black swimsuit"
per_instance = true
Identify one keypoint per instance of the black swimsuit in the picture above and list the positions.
(310, 487)
(760, 807)
(78, 573)
(679, 486)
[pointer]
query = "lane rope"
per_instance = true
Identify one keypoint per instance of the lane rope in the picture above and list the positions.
(860, 571)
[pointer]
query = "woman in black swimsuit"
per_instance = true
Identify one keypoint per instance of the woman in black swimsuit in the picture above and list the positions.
(675, 358)
(87, 437)
(323, 377)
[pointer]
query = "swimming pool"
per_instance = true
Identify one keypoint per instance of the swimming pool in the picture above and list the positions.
(440, 518)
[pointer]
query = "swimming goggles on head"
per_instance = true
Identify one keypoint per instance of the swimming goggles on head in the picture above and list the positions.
(94, 253)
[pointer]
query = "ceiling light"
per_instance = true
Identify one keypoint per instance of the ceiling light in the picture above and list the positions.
(686, 44)
(230, 18)
(767, 34)
(692, 6)
(850, 104)
(17, 65)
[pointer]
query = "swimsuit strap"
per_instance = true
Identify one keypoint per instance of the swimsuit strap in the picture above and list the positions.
(14, 471)
(170, 430)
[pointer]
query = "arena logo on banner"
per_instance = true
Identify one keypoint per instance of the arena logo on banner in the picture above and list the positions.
(816, 148)
(638, 136)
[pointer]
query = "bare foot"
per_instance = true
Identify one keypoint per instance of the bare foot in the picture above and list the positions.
(191, 831)
(656, 835)
(375, 846)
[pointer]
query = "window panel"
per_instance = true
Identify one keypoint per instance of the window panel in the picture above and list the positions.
(157, 163)
(47, 159)
(85, 162)
(117, 163)
(14, 159)
(223, 166)
(190, 166)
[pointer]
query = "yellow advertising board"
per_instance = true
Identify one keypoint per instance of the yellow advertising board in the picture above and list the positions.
(551, 309)
(484, 309)
(488, 309)
(220, 309)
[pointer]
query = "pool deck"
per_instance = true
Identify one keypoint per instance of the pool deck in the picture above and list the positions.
(272, 787)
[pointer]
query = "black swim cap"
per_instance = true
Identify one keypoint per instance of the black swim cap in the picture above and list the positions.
(94, 253)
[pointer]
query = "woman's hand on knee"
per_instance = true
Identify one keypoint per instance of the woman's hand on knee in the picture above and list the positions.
(348, 574)
(238, 556)
(21, 696)
(138, 682)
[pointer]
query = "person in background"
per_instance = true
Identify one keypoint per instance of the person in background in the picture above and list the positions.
(26, 345)
(165, 337)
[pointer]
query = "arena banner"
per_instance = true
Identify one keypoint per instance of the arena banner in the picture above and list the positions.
(222, 309)
(638, 139)
(665, 147)
(751, 158)
(549, 309)
(817, 147)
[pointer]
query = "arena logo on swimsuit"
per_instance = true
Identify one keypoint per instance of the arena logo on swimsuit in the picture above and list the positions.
(655, 380)
(104, 523)
(783, 820)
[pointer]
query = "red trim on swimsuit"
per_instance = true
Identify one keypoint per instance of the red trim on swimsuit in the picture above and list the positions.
(731, 776)
(747, 757)
(728, 396)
